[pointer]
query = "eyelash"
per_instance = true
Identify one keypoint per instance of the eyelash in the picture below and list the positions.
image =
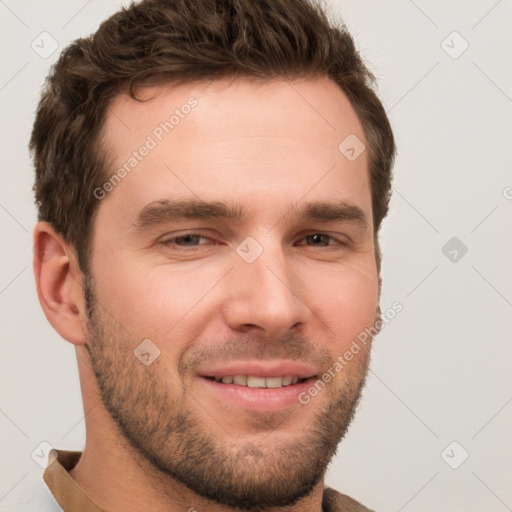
(171, 241)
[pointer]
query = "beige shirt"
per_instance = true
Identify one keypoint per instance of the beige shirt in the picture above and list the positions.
(71, 498)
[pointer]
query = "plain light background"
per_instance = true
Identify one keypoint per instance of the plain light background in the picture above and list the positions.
(441, 369)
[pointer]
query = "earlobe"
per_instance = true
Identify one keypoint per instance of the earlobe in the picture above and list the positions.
(59, 283)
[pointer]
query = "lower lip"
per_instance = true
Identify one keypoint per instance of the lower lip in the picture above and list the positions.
(258, 399)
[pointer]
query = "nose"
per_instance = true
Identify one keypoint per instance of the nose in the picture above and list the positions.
(265, 295)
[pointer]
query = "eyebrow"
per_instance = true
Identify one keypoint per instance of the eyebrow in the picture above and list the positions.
(165, 210)
(328, 212)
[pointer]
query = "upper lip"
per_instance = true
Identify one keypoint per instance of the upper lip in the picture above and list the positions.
(268, 368)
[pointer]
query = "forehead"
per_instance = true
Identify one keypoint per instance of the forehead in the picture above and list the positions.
(265, 140)
(260, 107)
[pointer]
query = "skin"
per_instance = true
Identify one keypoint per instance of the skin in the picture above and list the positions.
(266, 146)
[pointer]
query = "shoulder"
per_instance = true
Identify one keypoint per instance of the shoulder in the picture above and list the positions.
(29, 494)
(334, 501)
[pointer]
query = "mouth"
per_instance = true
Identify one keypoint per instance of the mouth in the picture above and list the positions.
(253, 381)
(263, 386)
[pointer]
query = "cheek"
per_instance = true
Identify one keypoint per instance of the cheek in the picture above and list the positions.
(157, 302)
(345, 299)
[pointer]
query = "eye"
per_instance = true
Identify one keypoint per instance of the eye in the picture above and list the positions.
(186, 240)
(322, 240)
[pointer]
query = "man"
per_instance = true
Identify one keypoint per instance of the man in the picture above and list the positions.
(211, 177)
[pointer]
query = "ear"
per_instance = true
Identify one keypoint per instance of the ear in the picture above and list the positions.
(59, 283)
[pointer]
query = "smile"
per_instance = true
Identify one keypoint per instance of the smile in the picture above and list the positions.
(252, 381)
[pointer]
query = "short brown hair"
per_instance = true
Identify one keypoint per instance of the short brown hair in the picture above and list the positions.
(158, 41)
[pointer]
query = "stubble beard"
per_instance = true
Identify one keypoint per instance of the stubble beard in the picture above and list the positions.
(167, 433)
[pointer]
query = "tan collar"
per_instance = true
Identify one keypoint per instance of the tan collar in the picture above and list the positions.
(65, 490)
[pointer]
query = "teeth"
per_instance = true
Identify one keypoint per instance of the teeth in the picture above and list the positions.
(241, 380)
(258, 382)
(274, 382)
(255, 382)
(287, 380)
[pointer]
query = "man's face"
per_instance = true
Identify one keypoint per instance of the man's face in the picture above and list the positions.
(241, 245)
